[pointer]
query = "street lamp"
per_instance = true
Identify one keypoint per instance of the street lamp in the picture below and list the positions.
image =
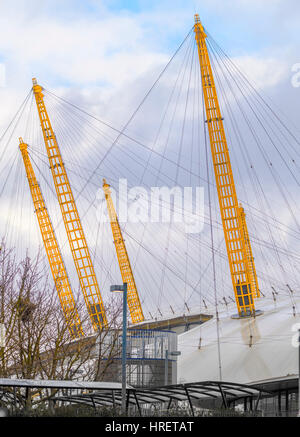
(169, 354)
(123, 289)
(299, 373)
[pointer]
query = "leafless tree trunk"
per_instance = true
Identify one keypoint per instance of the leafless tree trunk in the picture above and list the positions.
(38, 343)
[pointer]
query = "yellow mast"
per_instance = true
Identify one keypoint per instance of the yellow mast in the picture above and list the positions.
(79, 248)
(57, 266)
(253, 276)
(133, 299)
(236, 235)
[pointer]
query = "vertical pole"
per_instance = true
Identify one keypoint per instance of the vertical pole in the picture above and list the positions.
(143, 361)
(240, 269)
(2, 344)
(166, 367)
(134, 304)
(299, 375)
(124, 344)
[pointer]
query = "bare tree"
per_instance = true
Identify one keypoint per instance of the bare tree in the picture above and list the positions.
(38, 343)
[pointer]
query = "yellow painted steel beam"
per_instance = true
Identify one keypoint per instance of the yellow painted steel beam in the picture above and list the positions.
(133, 300)
(236, 236)
(54, 256)
(251, 265)
(79, 248)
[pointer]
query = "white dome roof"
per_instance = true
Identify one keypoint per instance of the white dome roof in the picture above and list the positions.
(271, 355)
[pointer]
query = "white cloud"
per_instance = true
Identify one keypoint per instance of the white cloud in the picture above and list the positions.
(265, 72)
(106, 62)
(109, 49)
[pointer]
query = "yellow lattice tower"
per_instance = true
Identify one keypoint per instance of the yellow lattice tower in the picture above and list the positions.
(251, 265)
(79, 248)
(133, 299)
(57, 266)
(242, 274)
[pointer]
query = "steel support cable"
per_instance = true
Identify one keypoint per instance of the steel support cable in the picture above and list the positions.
(49, 190)
(212, 245)
(14, 212)
(112, 169)
(259, 117)
(263, 126)
(238, 137)
(254, 93)
(15, 207)
(170, 179)
(79, 175)
(259, 95)
(64, 142)
(20, 113)
(175, 272)
(185, 60)
(13, 124)
(147, 148)
(69, 169)
(209, 264)
(143, 100)
(286, 202)
(198, 82)
(176, 177)
(101, 263)
(208, 97)
(234, 125)
(272, 218)
(264, 243)
(213, 209)
(250, 206)
(181, 145)
(276, 136)
(283, 190)
(20, 216)
(15, 159)
(265, 156)
(259, 145)
(190, 177)
(165, 146)
(54, 195)
(74, 127)
(49, 185)
(77, 128)
(97, 185)
(121, 162)
(20, 110)
(29, 115)
(275, 247)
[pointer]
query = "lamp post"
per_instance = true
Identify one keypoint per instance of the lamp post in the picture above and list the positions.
(2, 340)
(299, 373)
(123, 289)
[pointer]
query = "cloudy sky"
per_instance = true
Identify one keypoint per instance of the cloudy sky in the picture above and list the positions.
(105, 55)
(100, 47)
